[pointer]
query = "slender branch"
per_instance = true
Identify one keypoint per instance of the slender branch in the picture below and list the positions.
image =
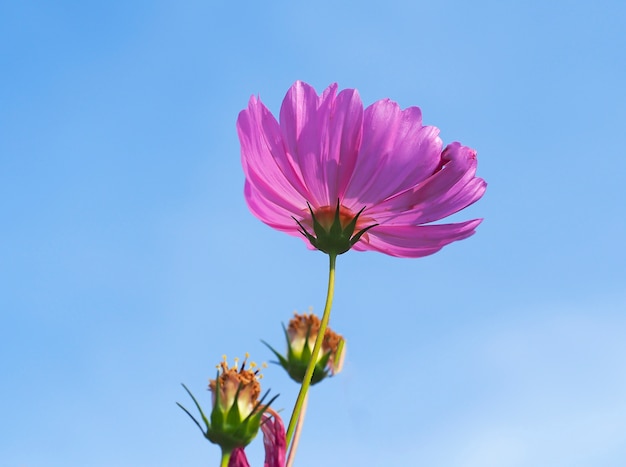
(297, 433)
(306, 382)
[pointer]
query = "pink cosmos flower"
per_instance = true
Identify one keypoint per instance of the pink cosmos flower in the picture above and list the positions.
(330, 162)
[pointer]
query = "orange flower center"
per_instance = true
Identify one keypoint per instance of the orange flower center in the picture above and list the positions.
(325, 215)
(237, 378)
(303, 325)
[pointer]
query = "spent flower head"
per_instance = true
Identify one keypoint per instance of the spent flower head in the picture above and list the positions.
(300, 335)
(237, 408)
(344, 177)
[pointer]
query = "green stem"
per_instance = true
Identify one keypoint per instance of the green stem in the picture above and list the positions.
(296, 436)
(306, 382)
(225, 458)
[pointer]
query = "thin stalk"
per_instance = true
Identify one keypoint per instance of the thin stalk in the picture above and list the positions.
(306, 382)
(296, 435)
(225, 458)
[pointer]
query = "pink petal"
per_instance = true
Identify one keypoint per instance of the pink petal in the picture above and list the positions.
(448, 191)
(272, 214)
(266, 164)
(345, 139)
(322, 134)
(238, 458)
(414, 241)
(397, 153)
(274, 441)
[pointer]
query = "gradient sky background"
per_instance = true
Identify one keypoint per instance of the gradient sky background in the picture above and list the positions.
(129, 262)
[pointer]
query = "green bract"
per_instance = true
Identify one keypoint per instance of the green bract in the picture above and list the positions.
(336, 238)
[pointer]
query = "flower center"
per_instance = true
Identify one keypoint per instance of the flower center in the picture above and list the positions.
(237, 384)
(326, 216)
(303, 330)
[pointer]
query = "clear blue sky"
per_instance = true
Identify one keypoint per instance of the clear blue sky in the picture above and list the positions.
(129, 262)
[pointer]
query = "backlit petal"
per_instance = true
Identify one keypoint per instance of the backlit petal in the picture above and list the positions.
(323, 135)
(414, 241)
(397, 153)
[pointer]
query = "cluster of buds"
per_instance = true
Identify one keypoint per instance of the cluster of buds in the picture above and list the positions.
(237, 410)
(301, 335)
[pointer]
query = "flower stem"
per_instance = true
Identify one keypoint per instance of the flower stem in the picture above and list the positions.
(306, 382)
(296, 436)
(225, 458)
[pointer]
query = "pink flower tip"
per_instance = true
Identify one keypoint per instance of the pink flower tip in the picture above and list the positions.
(343, 177)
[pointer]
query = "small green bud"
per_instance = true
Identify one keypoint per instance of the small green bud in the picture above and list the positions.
(237, 409)
(300, 335)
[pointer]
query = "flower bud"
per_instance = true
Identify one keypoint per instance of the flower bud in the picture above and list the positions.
(237, 410)
(300, 335)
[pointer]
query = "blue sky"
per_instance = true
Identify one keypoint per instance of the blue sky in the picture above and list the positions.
(129, 262)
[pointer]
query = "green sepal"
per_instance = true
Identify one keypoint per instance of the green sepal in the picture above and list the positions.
(281, 360)
(337, 239)
(297, 370)
(204, 418)
(233, 417)
(227, 429)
